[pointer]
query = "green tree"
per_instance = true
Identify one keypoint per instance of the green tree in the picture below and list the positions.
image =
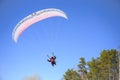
(82, 68)
(104, 67)
(109, 64)
(94, 69)
(71, 74)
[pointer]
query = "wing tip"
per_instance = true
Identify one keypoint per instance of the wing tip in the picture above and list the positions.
(15, 40)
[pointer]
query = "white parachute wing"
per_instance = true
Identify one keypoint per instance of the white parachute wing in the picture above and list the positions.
(35, 17)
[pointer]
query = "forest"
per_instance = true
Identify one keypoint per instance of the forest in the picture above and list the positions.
(104, 67)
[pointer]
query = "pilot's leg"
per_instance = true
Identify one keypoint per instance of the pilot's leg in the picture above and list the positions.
(52, 64)
(55, 63)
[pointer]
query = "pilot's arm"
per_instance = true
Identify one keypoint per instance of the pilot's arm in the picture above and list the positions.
(55, 57)
(48, 60)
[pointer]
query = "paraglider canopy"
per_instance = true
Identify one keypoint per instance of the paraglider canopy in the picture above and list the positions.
(33, 18)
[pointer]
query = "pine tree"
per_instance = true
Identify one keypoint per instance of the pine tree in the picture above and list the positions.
(71, 74)
(82, 68)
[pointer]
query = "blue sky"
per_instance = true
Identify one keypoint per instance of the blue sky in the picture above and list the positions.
(92, 25)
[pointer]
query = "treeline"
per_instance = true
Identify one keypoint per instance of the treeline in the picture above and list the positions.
(104, 67)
